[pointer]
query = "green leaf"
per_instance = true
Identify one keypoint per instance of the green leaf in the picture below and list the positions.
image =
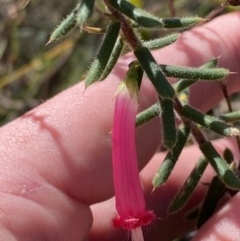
(215, 192)
(116, 52)
(168, 123)
(104, 54)
(230, 117)
(64, 27)
(185, 83)
(194, 73)
(210, 122)
(188, 187)
(221, 167)
(180, 22)
(148, 114)
(84, 11)
(161, 42)
(154, 73)
(172, 156)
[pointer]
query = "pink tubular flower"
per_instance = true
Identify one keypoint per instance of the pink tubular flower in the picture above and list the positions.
(130, 202)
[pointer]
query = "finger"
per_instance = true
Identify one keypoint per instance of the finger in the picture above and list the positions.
(159, 200)
(63, 147)
(224, 225)
(56, 160)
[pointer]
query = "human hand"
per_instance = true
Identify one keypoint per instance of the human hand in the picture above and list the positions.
(56, 175)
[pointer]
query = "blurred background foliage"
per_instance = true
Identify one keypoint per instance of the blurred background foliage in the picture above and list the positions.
(31, 72)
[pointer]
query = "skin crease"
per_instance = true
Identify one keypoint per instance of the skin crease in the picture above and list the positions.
(56, 159)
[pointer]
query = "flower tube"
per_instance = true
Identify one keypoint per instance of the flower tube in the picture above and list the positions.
(130, 202)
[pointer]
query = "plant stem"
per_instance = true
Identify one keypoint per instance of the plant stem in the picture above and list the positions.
(126, 28)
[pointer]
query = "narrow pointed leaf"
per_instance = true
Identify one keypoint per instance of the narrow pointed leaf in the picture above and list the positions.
(220, 166)
(230, 117)
(64, 27)
(147, 114)
(116, 52)
(161, 42)
(171, 157)
(168, 123)
(84, 11)
(215, 192)
(188, 187)
(185, 83)
(210, 122)
(154, 73)
(194, 73)
(180, 22)
(104, 54)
